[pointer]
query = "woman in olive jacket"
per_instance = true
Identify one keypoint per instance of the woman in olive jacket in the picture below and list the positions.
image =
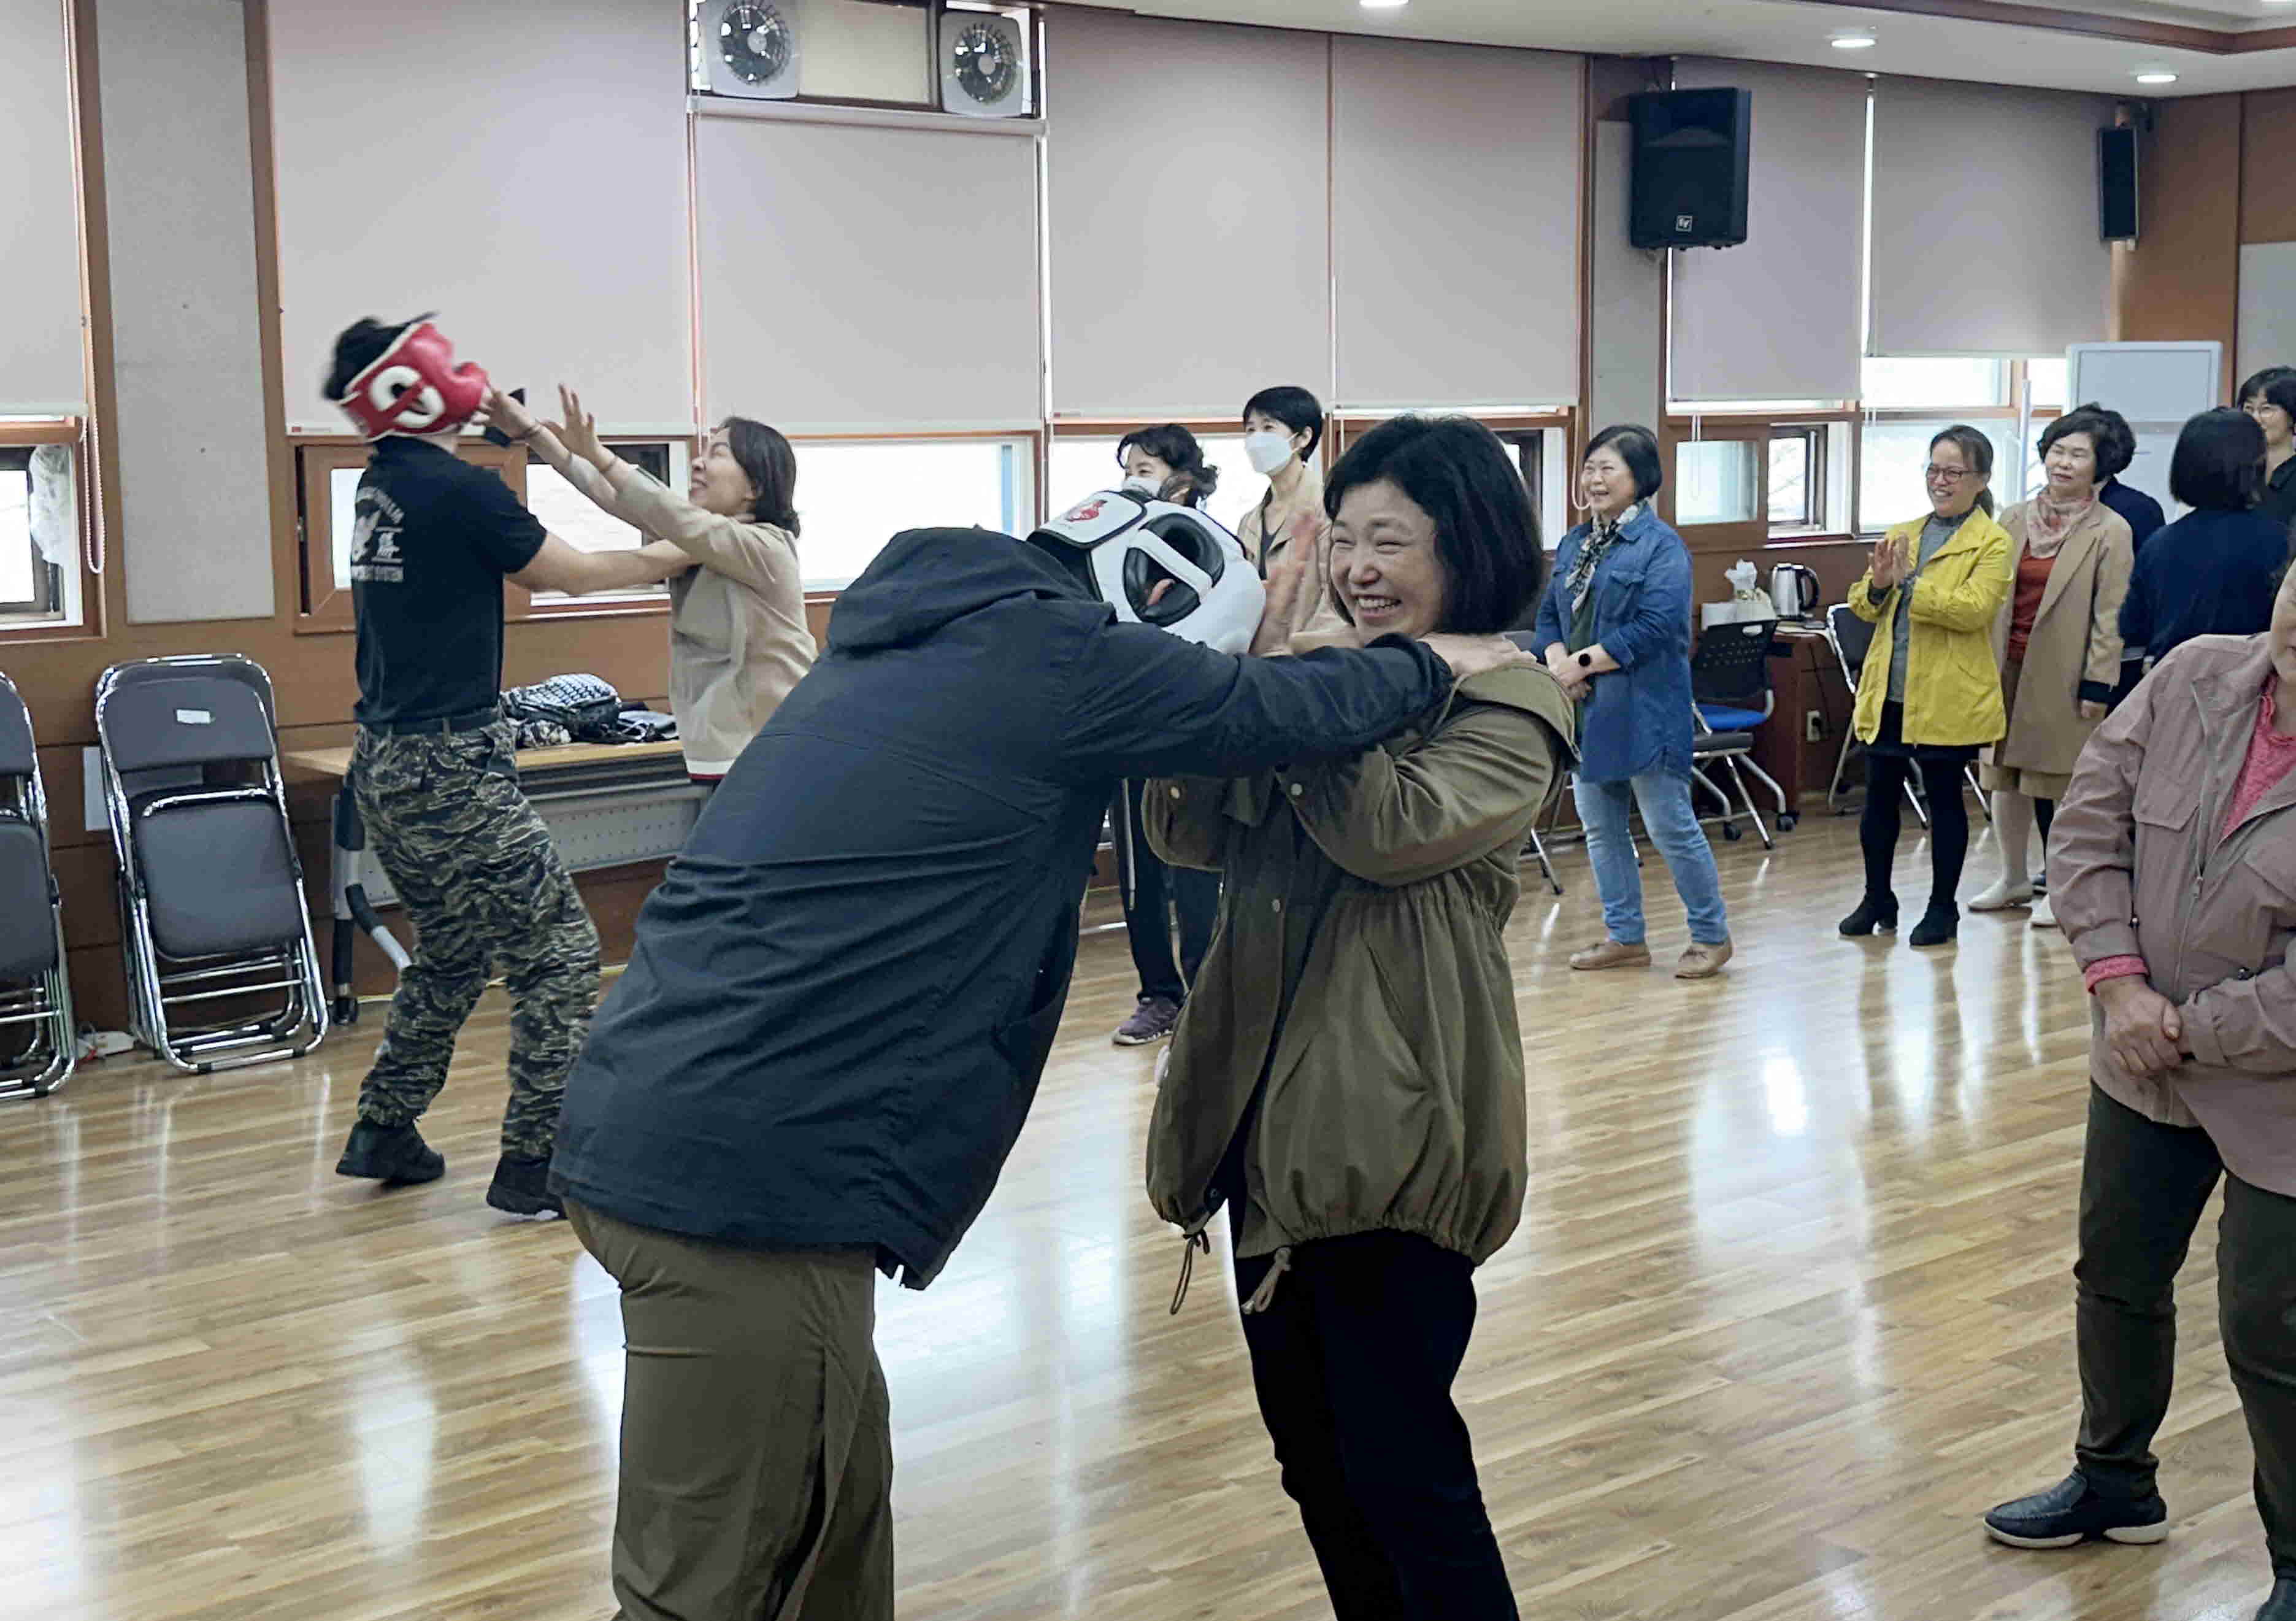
(1347, 1077)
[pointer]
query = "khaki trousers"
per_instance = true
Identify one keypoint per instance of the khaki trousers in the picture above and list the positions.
(757, 1454)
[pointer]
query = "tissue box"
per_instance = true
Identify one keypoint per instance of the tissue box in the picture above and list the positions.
(1736, 611)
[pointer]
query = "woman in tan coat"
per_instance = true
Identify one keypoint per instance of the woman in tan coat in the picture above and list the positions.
(1282, 428)
(1347, 1079)
(738, 640)
(2174, 872)
(2058, 640)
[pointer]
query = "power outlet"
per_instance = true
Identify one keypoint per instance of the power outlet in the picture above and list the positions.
(1813, 727)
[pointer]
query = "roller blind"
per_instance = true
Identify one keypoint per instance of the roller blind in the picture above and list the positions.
(1188, 209)
(520, 171)
(1985, 223)
(863, 279)
(41, 373)
(1454, 224)
(1777, 317)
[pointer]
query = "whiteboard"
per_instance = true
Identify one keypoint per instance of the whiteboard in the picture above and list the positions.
(2157, 387)
(2268, 306)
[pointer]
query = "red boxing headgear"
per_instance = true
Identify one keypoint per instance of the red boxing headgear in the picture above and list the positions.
(414, 386)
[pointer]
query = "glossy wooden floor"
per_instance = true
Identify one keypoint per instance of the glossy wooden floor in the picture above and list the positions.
(1789, 1306)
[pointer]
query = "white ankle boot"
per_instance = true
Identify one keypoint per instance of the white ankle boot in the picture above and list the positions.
(2002, 895)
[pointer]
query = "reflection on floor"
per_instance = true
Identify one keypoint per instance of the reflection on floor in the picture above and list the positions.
(1789, 1306)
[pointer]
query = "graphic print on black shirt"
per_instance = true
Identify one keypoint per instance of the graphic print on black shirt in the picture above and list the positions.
(434, 535)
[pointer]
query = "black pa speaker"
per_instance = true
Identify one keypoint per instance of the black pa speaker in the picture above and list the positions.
(1688, 188)
(2116, 184)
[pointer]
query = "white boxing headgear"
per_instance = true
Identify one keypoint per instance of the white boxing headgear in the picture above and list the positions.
(1127, 546)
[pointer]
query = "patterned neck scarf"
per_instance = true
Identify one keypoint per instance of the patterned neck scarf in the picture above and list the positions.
(1599, 540)
(2050, 521)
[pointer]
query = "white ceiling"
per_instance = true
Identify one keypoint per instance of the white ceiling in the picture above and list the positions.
(1800, 31)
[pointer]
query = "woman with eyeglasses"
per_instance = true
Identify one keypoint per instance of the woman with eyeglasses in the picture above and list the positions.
(2270, 397)
(2058, 638)
(1931, 693)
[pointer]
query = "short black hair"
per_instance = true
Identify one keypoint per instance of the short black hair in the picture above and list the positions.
(359, 346)
(1459, 474)
(2219, 462)
(1637, 447)
(2103, 428)
(2274, 385)
(1174, 446)
(1295, 408)
(770, 465)
(2108, 430)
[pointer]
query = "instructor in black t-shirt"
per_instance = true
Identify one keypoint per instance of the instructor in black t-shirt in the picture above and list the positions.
(432, 772)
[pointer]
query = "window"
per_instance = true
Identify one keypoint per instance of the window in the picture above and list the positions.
(33, 589)
(329, 492)
(2045, 381)
(1084, 463)
(574, 518)
(855, 495)
(1892, 383)
(1715, 481)
(1890, 486)
(1798, 467)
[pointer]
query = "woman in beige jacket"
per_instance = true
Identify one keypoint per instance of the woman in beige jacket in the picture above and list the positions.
(738, 641)
(2175, 873)
(2058, 641)
(1282, 427)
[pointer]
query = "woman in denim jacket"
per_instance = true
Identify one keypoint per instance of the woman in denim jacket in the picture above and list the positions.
(1615, 629)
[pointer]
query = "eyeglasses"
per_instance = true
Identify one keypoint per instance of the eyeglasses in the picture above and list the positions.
(1946, 475)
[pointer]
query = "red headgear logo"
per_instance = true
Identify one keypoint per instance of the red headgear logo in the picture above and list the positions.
(1086, 512)
(414, 386)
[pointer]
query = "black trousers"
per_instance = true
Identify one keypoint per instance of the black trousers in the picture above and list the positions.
(1353, 1362)
(1152, 892)
(1883, 816)
(2144, 1186)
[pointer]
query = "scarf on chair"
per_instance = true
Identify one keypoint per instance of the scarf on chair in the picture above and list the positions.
(1599, 540)
(2048, 521)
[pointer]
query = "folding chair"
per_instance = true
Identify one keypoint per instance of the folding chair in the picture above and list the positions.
(1729, 696)
(210, 890)
(1850, 637)
(34, 992)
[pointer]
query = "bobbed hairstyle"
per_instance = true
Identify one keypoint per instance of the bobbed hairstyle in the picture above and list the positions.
(1637, 447)
(2219, 462)
(2109, 437)
(770, 465)
(1458, 472)
(1295, 408)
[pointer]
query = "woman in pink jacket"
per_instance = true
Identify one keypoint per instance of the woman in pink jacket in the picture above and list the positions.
(2174, 865)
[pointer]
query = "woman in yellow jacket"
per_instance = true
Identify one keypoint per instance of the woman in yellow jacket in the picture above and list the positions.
(1930, 692)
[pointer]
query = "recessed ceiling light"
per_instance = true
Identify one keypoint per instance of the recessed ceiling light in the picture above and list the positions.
(1854, 42)
(2156, 76)
(1383, 5)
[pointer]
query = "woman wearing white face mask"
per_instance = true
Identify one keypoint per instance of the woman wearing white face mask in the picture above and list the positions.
(1282, 428)
(1166, 463)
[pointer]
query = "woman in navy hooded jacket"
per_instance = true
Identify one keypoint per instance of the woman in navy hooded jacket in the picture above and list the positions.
(1615, 630)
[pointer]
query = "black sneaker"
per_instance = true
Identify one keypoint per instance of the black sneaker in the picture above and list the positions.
(1873, 912)
(1151, 1021)
(2282, 1605)
(1939, 925)
(521, 1186)
(2071, 1512)
(393, 1154)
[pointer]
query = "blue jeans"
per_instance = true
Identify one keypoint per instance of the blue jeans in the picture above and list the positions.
(1603, 807)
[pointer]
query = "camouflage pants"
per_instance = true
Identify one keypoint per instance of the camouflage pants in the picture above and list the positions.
(481, 884)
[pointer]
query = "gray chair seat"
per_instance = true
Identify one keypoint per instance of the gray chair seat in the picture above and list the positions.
(217, 876)
(28, 928)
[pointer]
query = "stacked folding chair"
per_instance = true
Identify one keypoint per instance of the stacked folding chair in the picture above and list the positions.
(37, 1043)
(221, 967)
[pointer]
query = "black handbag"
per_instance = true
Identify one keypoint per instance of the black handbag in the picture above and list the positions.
(586, 706)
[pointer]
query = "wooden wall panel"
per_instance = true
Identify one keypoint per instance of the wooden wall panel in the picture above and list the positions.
(2267, 180)
(2181, 280)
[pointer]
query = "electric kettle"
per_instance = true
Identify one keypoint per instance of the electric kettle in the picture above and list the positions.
(1795, 591)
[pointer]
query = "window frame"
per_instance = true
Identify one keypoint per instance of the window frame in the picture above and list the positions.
(47, 579)
(1524, 433)
(1034, 443)
(76, 613)
(636, 604)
